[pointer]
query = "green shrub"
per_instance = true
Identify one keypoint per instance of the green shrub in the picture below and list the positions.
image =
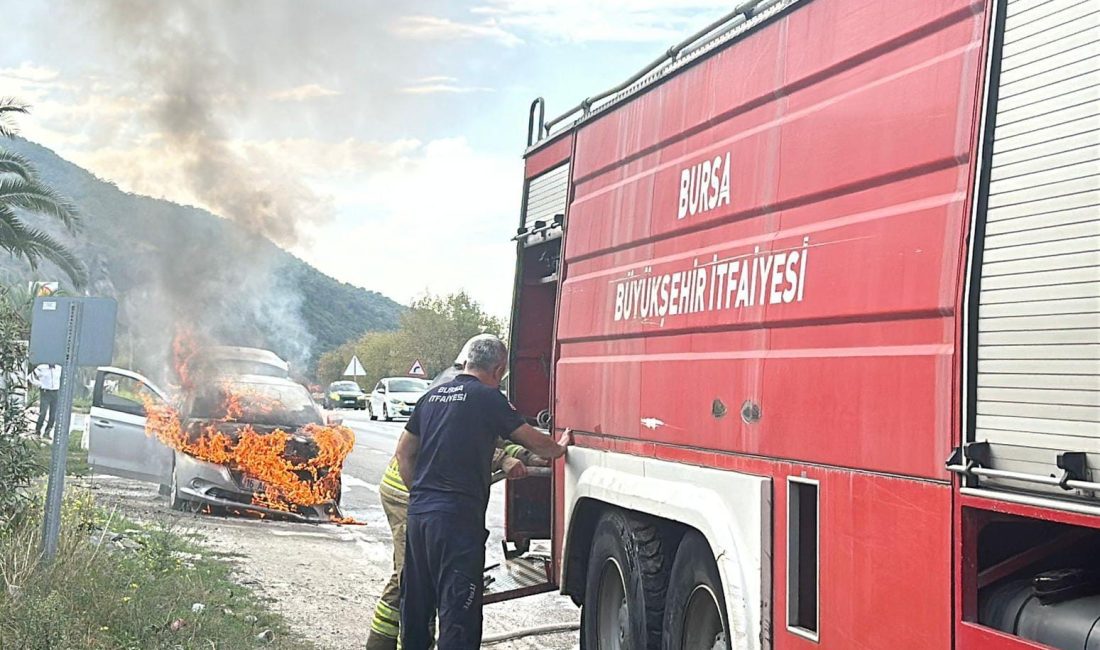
(116, 584)
(18, 463)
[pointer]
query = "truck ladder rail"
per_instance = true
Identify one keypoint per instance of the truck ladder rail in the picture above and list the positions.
(744, 13)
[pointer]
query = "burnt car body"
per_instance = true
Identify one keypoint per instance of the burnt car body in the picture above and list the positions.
(119, 444)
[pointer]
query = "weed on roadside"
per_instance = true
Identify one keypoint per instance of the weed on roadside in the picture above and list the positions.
(118, 584)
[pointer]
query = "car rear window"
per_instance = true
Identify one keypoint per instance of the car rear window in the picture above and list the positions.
(256, 403)
(345, 385)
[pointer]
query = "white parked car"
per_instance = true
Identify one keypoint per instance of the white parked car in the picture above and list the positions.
(395, 397)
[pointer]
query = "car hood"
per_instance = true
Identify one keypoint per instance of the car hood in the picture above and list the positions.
(405, 397)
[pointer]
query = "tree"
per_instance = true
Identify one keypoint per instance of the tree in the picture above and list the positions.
(22, 192)
(9, 106)
(432, 331)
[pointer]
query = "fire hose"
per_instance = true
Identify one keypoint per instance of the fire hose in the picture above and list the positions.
(537, 630)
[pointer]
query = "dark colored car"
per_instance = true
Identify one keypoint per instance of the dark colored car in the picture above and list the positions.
(345, 394)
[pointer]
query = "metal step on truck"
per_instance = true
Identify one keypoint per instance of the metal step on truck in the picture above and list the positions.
(819, 292)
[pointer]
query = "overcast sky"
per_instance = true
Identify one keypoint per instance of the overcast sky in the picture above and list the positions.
(380, 141)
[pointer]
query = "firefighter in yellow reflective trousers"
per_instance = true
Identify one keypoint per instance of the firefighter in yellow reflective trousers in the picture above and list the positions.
(385, 627)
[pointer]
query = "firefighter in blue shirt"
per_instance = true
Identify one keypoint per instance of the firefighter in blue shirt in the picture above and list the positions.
(508, 457)
(444, 455)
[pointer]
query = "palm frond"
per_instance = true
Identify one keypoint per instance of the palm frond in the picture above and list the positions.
(9, 105)
(34, 196)
(33, 245)
(13, 163)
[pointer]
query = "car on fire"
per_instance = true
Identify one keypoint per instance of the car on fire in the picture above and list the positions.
(395, 397)
(344, 394)
(235, 360)
(120, 445)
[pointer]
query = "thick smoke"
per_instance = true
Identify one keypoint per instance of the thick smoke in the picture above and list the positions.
(197, 91)
(223, 284)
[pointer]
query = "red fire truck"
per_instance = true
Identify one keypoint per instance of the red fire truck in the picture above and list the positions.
(819, 292)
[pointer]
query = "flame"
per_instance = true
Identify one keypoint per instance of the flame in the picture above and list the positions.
(184, 345)
(287, 482)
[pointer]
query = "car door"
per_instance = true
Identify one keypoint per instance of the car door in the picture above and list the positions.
(117, 442)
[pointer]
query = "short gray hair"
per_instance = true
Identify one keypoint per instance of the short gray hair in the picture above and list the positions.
(486, 353)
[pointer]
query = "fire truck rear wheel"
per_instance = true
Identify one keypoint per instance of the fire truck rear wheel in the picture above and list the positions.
(695, 608)
(625, 591)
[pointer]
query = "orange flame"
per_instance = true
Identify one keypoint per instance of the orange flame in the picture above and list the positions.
(287, 482)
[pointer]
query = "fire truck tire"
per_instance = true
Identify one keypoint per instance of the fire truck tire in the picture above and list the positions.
(625, 591)
(695, 616)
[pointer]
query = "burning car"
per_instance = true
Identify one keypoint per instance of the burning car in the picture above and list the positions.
(249, 442)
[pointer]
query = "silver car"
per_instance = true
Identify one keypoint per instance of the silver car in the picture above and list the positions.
(119, 445)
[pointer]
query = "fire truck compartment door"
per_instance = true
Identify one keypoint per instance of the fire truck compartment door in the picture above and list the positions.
(117, 443)
(1038, 317)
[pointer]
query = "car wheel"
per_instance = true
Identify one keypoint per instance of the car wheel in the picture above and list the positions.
(175, 499)
(370, 412)
(386, 413)
(695, 607)
(625, 590)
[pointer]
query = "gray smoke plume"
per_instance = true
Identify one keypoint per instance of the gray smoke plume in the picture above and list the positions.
(198, 89)
(222, 284)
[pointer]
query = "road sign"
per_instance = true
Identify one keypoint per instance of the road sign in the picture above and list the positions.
(417, 370)
(50, 326)
(354, 368)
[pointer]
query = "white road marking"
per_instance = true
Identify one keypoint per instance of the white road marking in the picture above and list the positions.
(351, 481)
(299, 533)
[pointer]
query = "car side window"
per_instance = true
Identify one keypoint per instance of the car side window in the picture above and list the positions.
(379, 388)
(124, 394)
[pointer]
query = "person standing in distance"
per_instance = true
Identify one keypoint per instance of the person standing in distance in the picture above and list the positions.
(48, 379)
(444, 454)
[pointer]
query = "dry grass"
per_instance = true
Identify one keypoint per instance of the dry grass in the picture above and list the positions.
(116, 584)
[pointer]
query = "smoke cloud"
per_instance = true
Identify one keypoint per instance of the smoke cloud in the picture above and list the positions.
(198, 89)
(225, 283)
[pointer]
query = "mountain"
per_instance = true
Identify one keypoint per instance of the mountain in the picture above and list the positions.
(174, 268)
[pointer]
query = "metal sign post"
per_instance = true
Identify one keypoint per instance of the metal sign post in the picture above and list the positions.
(59, 455)
(72, 332)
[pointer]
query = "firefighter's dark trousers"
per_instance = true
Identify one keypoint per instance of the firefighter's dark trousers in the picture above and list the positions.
(444, 561)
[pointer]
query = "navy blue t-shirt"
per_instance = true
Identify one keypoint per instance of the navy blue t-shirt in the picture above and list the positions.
(458, 424)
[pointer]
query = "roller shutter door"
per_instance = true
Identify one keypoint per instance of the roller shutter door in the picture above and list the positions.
(547, 194)
(1038, 354)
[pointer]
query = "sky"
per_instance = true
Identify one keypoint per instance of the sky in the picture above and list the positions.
(380, 141)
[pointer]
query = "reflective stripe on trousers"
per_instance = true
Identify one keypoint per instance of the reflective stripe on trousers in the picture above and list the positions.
(386, 626)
